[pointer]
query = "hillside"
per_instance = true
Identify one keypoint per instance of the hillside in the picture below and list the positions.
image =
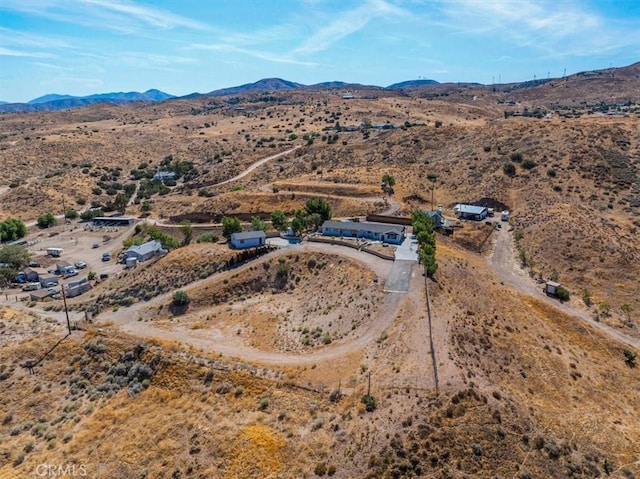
(304, 360)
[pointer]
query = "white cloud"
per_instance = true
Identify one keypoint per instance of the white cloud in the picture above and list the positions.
(348, 23)
(118, 15)
(8, 52)
(152, 16)
(262, 55)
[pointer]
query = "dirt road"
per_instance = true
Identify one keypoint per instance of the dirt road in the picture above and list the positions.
(503, 260)
(257, 164)
(212, 340)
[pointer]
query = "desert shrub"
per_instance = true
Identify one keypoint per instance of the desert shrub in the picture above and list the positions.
(438, 123)
(516, 157)
(369, 402)
(509, 169)
(320, 469)
(264, 404)
(180, 298)
(528, 164)
(551, 172)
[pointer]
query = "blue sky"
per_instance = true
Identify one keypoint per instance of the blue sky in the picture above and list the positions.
(80, 47)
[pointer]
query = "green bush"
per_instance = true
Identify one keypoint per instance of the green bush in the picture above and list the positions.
(180, 298)
(562, 294)
(46, 220)
(207, 237)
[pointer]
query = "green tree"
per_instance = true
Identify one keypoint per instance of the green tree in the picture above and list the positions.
(605, 308)
(120, 203)
(257, 224)
(230, 225)
(16, 256)
(298, 225)
(319, 206)
(187, 232)
(46, 220)
(12, 229)
(279, 221)
(388, 182)
(424, 229)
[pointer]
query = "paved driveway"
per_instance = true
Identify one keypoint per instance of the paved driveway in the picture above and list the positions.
(398, 278)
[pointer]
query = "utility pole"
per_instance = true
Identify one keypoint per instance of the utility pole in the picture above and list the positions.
(66, 310)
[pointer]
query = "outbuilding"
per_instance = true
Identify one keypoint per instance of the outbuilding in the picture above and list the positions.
(471, 212)
(551, 288)
(144, 251)
(248, 239)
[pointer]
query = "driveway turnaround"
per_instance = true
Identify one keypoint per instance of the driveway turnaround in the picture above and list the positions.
(408, 250)
(398, 278)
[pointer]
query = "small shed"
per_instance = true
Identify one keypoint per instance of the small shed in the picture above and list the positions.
(248, 239)
(551, 288)
(40, 294)
(33, 274)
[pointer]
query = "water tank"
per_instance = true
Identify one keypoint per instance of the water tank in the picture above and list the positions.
(131, 262)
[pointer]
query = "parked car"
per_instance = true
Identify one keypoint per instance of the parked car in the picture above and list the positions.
(104, 275)
(80, 264)
(106, 257)
(70, 272)
(34, 264)
(49, 284)
(95, 245)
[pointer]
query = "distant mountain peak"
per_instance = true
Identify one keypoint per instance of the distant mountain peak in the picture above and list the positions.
(54, 101)
(412, 84)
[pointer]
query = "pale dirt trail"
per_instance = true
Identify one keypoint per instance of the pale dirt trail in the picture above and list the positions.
(214, 341)
(503, 260)
(257, 164)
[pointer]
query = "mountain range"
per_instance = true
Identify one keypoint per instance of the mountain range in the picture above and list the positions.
(61, 102)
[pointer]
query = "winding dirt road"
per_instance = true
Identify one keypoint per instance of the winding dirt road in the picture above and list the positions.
(212, 340)
(503, 260)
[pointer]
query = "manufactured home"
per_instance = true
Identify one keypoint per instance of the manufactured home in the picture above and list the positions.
(385, 232)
